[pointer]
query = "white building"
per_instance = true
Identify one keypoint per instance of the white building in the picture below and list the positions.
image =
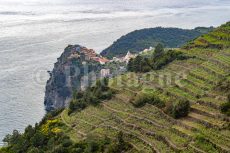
(128, 56)
(147, 50)
(105, 72)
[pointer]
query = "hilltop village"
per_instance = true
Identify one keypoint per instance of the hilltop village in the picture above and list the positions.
(91, 55)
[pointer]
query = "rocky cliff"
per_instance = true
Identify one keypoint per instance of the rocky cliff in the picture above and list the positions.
(74, 70)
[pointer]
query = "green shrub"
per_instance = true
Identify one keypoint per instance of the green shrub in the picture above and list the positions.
(66, 143)
(177, 109)
(91, 96)
(180, 108)
(76, 105)
(52, 114)
(144, 98)
(107, 95)
(225, 108)
(155, 62)
(167, 58)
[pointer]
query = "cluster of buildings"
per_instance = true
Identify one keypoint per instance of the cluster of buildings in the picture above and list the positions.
(90, 54)
(125, 59)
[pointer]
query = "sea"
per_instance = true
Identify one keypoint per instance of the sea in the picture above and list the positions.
(33, 34)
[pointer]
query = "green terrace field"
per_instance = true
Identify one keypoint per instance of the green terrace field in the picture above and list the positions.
(150, 129)
(218, 38)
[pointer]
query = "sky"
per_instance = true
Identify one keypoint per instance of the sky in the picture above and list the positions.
(175, 3)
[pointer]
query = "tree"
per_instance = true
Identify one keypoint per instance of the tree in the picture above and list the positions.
(145, 67)
(38, 139)
(137, 67)
(159, 50)
(156, 61)
(130, 65)
(12, 139)
(29, 132)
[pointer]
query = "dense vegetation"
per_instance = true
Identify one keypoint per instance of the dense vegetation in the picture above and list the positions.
(48, 137)
(143, 98)
(139, 40)
(156, 61)
(179, 108)
(91, 96)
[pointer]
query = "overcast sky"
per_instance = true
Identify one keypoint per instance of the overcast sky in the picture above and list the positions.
(156, 2)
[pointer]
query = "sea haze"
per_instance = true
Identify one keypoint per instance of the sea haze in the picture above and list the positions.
(33, 33)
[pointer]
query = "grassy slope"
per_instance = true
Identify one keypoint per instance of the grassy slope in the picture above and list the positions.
(148, 128)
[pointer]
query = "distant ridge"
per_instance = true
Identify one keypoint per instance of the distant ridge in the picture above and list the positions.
(139, 40)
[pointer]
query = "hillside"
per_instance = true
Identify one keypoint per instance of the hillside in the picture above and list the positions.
(217, 39)
(203, 80)
(139, 40)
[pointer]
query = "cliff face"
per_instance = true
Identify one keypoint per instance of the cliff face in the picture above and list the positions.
(74, 70)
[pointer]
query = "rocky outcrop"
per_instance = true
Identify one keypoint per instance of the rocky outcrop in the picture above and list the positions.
(74, 70)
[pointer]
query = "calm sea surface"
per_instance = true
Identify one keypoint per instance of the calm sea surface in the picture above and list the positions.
(33, 34)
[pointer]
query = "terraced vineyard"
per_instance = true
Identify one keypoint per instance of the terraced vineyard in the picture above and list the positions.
(150, 129)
